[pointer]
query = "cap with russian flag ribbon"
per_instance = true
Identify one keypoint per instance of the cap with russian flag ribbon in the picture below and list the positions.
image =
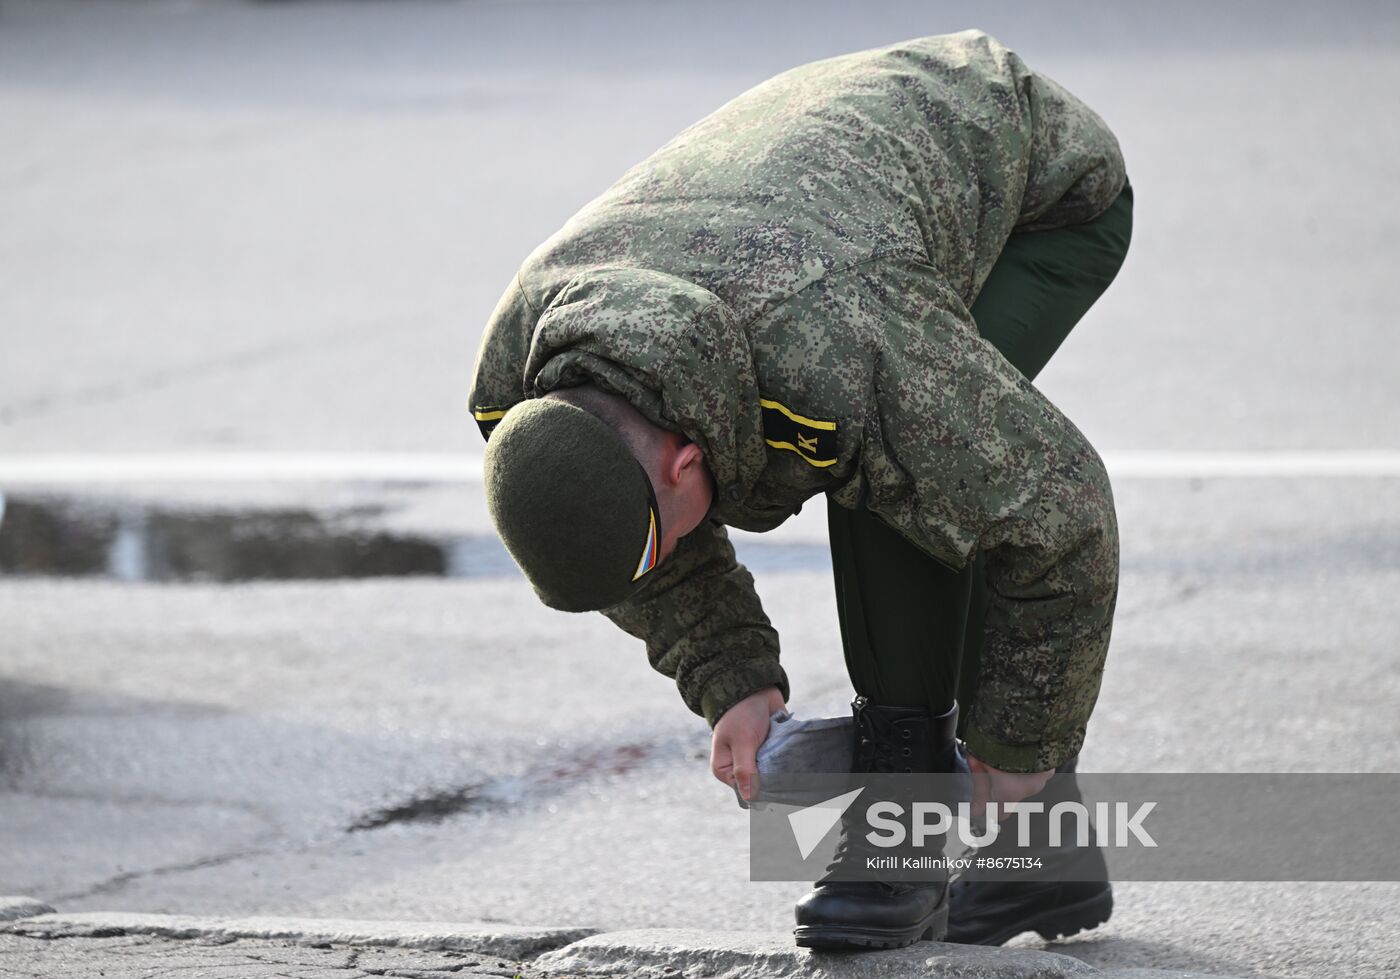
(572, 504)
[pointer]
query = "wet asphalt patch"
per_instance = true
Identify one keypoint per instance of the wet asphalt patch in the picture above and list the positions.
(51, 535)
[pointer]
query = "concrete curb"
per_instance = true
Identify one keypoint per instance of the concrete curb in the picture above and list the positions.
(14, 908)
(675, 953)
(505, 941)
(658, 953)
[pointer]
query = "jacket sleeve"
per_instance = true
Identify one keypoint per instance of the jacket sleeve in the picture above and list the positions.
(498, 379)
(704, 626)
(972, 459)
(698, 613)
(1075, 169)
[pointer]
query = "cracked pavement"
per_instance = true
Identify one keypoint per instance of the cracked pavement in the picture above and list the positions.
(149, 956)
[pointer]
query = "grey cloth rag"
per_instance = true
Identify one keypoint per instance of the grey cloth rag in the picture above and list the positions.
(821, 745)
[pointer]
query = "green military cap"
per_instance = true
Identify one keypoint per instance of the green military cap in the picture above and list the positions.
(572, 504)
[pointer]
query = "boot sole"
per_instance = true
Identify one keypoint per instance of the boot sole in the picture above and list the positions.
(1061, 922)
(930, 929)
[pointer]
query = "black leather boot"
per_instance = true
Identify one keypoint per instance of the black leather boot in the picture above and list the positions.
(878, 914)
(991, 912)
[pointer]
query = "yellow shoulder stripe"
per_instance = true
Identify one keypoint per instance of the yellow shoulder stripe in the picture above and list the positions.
(489, 414)
(809, 422)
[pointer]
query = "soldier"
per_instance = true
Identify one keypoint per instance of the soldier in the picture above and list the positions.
(841, 282)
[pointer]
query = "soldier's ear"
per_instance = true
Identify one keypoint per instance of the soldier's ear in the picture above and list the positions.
(682, 461)
(690, 460)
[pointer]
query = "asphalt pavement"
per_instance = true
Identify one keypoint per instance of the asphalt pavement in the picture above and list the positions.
(291, 220)
(246, 227)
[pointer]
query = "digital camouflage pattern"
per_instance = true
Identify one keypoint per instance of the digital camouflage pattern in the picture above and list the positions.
(807, 256)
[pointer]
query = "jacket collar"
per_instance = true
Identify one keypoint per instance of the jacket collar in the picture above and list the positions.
(673, 349)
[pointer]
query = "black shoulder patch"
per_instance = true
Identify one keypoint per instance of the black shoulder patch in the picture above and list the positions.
(814, 440)
(488, 417)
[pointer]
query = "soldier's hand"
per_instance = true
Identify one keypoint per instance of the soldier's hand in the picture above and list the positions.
(993, 785)
(737, 738)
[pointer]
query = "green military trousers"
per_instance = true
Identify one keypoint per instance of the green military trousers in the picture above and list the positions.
(911, 627)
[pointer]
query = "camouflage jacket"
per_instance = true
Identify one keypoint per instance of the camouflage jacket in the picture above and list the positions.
(787, 283)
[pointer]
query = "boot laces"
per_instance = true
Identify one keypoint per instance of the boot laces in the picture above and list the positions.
(875, 752)
(875, 749)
